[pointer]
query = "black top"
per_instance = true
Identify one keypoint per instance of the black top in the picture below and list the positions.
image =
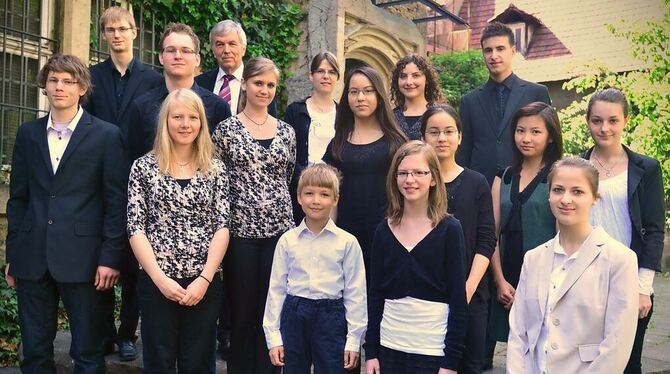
(183, 182)
(362, 203)
(144, 115)
(469, 200)
(120, 82)
(265, 143)
(410, 125)
(432, 271)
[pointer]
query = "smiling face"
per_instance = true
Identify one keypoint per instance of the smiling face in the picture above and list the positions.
(324, 78)
(412, 81)
(228, 51)
(119, 35)
(63, 91)
(362, 96)
(183, 123)
(414, 178)
(317, 202)
(179, 58)
(531, 136)
(571, 196)
(498, 56)
(261, 88)
(442, 133)
(606, 123)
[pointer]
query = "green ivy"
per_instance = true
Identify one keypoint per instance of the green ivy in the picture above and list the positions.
(10, 335)
(459, 73)
(271, 27)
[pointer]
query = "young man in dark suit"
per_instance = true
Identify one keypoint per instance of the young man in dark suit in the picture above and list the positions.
(486, 111)
(117, 81)
(229, 44)
(66, 219)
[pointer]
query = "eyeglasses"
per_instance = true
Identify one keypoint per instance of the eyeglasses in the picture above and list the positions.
(435, 133)
(415, 174)
(368, 91)
(121, 30)
(66, 82)
(323, 72)
(184, 51)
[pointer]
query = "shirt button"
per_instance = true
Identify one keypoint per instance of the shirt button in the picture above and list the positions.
(50, 221)
(53, 196)
(499, 141)
(556, 322)
(554, 346)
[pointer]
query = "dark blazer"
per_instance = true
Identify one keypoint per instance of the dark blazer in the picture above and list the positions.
(102, 101)
(71, 222)
(646, 208)
(486, 146)
(207, 80)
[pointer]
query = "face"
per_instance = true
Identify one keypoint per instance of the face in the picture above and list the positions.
(498, 55)
(442, 133)
(63, 90)
(228, 51)
(324, 78)
(414, 178)
(607, 123)
(119, 36)
(183, 123)
(179, 57)
(531, 136)
(362, 96)
(317, 202)
(412, 81)
(571, 196)
(261, 88)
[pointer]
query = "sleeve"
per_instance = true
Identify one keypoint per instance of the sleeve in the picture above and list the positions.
(454, 340)
(290, 118)
(114, 187)
(486, 237)
(375, 296)
(517, 341)
(276, 295)
(544, 95)
(354, 295)
(135, 138)
(464, 153)
(222, 198)
(645, 279)
(620, 314)
(328, 156)
(220, 143)
(221, 112)
(652, 206)
(137, 200)
(292, 149)
(19, 192)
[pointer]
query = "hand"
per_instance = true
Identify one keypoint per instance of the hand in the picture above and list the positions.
(277, 355)
(105, 278)
(171, 289)
(470, 289)
(505, 293)
(194, 292)
(372, 366)
(446, 371)
(643, 310)
(350, 359)
(11, 281)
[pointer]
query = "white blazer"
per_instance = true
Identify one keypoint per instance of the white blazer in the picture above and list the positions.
(592, 325)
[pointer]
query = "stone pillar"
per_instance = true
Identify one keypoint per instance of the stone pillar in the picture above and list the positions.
(76, 26)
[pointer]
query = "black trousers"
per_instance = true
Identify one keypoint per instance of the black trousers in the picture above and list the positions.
(176, 337)
(247, 268)
(634, 365)
(38, 308)
(397, 362)
(130, 311)
(475, 340)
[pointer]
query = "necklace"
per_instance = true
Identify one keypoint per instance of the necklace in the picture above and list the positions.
(608, 171)
(181, 165)
(267, 115)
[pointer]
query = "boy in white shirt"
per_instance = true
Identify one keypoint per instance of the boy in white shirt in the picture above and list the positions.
(316, 309)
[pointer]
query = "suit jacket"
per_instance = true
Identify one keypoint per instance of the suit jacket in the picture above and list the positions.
(102, 102)
(487, 144)
(593, 322)
(646, 208)
(207, 80)
(70, 222)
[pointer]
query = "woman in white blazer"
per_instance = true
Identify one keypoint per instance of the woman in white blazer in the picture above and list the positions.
(575, 307)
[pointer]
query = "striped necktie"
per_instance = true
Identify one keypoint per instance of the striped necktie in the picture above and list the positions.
(224, 93)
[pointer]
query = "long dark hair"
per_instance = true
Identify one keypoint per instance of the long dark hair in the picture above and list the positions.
(344, 118)
(554, 150)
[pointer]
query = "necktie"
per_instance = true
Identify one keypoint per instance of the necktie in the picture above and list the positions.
(224, 93)
(501, 100)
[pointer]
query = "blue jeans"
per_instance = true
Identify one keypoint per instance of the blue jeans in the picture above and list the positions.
(313, 331)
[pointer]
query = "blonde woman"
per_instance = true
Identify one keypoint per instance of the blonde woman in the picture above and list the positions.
(178, 227)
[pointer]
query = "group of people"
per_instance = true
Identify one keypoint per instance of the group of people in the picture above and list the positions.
(293, 242)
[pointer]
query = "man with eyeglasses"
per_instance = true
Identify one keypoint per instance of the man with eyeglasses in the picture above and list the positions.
(117, 81)
(66, 220)
(229, 44)
(180, 55)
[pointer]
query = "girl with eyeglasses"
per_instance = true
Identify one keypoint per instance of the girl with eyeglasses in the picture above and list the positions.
(414, 88)
(313, 119)
(469, 200)
(417, 310)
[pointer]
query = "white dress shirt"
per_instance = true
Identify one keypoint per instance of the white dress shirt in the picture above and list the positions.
(327, 265)
(234, 84)
(321, 132)
(58, 137)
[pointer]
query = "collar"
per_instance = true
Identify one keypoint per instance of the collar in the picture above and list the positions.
(129, 69)
(71, 126)
(237, 73)
(508, 82)
(596, 237)
(330, 226)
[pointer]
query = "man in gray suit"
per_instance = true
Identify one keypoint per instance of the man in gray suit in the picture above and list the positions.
(486, 110)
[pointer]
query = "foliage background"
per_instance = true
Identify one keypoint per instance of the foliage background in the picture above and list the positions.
(459, 72)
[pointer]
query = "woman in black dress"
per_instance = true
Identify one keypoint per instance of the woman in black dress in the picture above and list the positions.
(366, 137)
(414, 87)
(469, 200)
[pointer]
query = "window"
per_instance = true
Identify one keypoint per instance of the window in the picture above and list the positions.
(520, 31)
